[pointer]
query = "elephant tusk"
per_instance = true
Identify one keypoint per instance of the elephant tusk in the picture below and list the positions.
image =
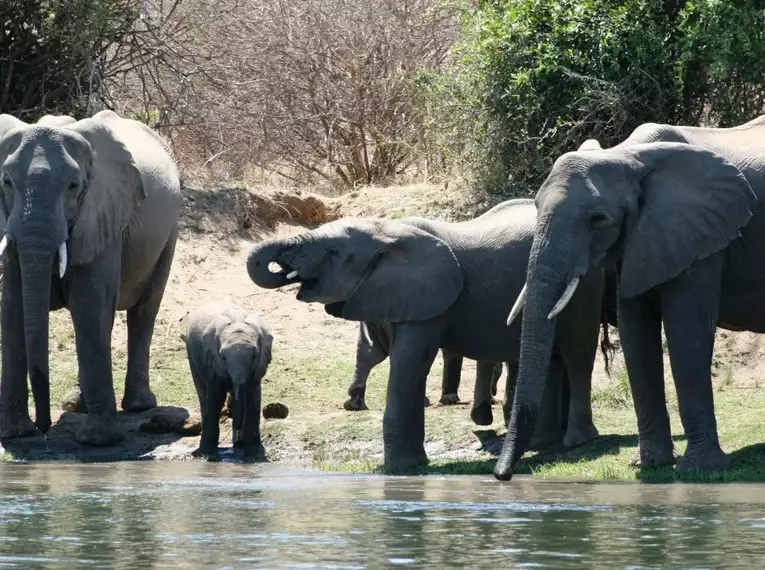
(3, 244)
(565, 298)
(365, 332)
(292, 275)
(62, 260)
(516, 310)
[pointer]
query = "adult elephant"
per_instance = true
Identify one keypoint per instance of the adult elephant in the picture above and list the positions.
(373, 347)
(675, 210)
(439, 285)
(89, 214)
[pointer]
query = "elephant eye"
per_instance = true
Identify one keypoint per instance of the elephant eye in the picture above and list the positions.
(74, 185)
(7, 182)
(597, 219)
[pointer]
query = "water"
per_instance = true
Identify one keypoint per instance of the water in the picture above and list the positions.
(199, 515)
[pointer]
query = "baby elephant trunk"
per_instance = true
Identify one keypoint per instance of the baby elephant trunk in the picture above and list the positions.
(239, 406)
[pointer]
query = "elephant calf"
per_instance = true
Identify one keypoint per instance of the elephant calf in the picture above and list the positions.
(229, 352)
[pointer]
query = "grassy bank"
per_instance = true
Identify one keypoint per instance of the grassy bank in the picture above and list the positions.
(313, 361)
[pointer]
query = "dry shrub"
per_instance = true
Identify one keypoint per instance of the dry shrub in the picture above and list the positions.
(316, 90)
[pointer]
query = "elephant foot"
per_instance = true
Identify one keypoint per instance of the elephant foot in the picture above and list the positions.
(405, 463)
(577, 436)
(355, 404)
(449, 400)
(73, 402)
(545, 439)
(253, 452)
(654, 455)
(482, 414)
(212, 455)
(703, 458)
(99, 431)
(139, 400)
(21, 427)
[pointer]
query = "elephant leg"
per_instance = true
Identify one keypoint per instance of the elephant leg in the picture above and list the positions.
(251, 443)
(140, 321)
(451, 378)
(690, 305)
(481, 413)
(14, 394)
(548, 431)
(507, 402)
(414, 348)
(640, 335)
(94, 289)
(215, 396)
(368, 355)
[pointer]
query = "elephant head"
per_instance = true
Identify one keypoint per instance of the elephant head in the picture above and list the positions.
(68, 191)
(647, 210)
(363, 270)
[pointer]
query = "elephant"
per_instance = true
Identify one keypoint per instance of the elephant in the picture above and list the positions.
(229, 352)
(675, 212)
(56, 120)
(438, 285)
(373, 346)
(89, 215)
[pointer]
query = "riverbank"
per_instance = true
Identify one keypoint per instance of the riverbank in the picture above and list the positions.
(313, 358)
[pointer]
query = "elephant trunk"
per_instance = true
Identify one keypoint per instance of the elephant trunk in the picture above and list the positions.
(261, 256)
(36, 266)
(239, 405)
(549, 284)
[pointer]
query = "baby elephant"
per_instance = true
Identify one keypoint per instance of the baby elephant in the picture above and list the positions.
(229, 351)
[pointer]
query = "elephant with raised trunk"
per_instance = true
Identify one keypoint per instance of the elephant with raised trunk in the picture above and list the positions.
(373, 347)
(678, 213)
(88, 214)
(439, 285)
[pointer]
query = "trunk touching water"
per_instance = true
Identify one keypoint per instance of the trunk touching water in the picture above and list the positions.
(547, 281)
(36, 266)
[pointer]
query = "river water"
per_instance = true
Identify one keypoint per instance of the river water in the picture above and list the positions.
(202, 515)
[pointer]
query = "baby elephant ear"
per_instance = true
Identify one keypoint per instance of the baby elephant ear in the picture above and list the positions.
(414, 277)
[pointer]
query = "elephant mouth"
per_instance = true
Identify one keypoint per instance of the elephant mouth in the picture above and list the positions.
(308, 286)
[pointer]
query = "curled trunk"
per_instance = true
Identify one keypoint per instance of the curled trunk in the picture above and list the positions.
(261, 256)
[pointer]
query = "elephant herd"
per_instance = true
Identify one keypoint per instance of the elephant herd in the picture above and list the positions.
(662, 230)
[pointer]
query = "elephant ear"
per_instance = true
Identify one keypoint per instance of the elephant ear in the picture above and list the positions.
(211, 344)
(264, 356)
(114, 192)
(7, 146)
(413, 277)
(694, 202)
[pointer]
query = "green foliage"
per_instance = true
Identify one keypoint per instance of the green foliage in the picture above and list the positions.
(53, 52)
(532, 79)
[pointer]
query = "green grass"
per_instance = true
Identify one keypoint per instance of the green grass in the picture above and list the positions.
(320, 433)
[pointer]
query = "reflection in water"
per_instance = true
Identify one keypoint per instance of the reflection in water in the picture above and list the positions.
(199, 515)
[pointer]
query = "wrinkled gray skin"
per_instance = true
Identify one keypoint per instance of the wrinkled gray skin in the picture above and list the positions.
(373, 347)
(108, 190)
(675, 211)
(439, 285)
(229, 352)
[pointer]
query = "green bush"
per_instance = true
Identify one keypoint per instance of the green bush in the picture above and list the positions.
(532, 79)
(52, 52)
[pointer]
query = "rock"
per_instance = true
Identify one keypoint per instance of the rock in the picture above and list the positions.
(275, 411)
(160, 422)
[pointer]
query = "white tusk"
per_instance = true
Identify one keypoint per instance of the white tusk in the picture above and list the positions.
(365, 332)
(62, 259)
(516, 310)
(3, 244)
(292, 275)
(565, 298)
